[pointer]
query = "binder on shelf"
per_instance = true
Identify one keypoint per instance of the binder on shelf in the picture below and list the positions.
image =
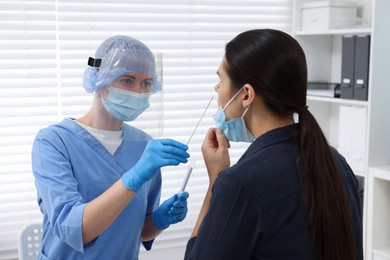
(362, 59)
(347, 67)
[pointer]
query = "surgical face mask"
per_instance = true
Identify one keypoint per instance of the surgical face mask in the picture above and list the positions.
(234, 129)
(125, 105)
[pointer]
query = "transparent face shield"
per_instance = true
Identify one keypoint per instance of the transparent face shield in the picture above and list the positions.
(151, 120)
(136, 75)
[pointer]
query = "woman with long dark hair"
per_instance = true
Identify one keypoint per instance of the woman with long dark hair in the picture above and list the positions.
(291, 195)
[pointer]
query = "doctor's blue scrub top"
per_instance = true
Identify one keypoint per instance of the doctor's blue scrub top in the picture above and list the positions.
(72, 168)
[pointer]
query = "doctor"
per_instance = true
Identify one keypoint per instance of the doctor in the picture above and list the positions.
(98, 179)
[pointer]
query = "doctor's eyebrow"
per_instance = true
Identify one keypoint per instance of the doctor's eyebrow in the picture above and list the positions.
(133, 77)
(128, 76)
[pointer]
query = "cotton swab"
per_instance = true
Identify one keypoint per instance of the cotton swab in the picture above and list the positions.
(200, 119)
(192, 163)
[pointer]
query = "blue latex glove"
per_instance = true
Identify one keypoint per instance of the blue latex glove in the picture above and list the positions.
(171, 211)
(157, 153)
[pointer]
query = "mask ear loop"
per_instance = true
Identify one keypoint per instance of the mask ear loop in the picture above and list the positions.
(246, 110)
(101, 95)
(231, 100)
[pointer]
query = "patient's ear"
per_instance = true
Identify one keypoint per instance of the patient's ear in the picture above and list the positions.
(248, 95)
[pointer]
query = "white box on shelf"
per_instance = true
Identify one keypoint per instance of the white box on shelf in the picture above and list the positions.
(325, 15)
(352, 136)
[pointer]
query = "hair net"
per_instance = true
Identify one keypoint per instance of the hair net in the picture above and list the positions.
(116, 56)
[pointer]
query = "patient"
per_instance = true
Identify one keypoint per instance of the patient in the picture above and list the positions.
(290, 195)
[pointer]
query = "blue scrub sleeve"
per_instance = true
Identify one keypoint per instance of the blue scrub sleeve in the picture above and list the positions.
(72, 231)
(58, 195)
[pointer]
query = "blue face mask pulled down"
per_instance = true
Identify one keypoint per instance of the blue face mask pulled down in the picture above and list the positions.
(234, 129)
(125, 105)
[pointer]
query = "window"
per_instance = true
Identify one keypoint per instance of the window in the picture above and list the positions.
(44, 48)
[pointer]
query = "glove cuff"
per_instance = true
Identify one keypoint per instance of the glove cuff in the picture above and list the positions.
(131, 180)
(157, 221)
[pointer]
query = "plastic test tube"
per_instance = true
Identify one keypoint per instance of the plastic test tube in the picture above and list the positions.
(187, 177)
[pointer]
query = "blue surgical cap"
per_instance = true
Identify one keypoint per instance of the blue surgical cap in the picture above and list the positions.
(116, 56)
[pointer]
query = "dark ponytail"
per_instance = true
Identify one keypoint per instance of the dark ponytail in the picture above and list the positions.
(325, 195)
(274, 64)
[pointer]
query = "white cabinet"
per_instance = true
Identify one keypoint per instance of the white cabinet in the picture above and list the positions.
(323, 54)
(378, 216)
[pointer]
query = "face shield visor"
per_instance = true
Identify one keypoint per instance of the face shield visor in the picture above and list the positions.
(126, 64)
(151, 120)
(118, 62)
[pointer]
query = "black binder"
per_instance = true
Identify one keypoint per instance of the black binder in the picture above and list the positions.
(347, 67)
(362, 59)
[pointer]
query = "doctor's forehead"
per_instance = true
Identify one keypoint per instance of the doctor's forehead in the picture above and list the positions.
(137, 75)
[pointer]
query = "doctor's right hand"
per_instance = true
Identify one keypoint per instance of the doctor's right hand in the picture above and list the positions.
(158, 153)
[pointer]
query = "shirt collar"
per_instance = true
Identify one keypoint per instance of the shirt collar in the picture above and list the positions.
(272, 137)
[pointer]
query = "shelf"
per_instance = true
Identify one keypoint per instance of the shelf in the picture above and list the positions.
(340, 101)
(382, 172)
(363, 30)
(323, 51)
(383, 252)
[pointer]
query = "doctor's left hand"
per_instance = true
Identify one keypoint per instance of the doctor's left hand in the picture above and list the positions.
(171, 211)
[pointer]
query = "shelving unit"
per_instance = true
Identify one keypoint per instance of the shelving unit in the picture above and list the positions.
(337, 32)
(323, 54)
(378, 226)
(339, 101)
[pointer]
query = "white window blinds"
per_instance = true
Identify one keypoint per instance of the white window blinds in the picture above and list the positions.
(44, 47)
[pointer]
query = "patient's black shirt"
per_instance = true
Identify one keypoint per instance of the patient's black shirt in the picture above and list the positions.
(257, 211)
